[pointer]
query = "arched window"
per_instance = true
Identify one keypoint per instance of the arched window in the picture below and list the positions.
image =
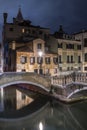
(85, 57)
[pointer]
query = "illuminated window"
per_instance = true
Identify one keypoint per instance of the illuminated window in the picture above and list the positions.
(23, 30)
(47, 60)
(23, 59)
(55, 70)
(47, 71)
(39, 60)
(32, 60)
(55, 60)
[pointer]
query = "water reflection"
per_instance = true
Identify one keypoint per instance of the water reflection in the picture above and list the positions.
(13, 99)
(53, 116)
(16, 102)
(56, 117)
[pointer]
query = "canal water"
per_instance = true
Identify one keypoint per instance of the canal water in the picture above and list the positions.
(25, 110)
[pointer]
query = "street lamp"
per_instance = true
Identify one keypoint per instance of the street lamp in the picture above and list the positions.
(40, 53)
(40, 126)
(40, 61)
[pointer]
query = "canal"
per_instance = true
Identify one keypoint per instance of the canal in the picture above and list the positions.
(26, 110)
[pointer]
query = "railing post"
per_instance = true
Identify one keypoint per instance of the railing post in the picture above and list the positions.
(74, 76)
(65, 80)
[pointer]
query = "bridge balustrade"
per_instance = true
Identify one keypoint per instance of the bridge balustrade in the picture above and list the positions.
(66, 85)
(67, 79)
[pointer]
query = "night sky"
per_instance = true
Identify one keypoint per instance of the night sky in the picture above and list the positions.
(72, 14)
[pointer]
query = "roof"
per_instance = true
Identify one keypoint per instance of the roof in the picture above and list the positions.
(24, 49)
(82, 31)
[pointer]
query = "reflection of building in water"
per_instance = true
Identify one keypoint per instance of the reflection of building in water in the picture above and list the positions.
(12, 99)
(22, 99)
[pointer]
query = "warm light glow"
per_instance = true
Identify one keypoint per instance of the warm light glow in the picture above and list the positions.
(40, 126)
(40, 53)
(23, 30)
(13, 45)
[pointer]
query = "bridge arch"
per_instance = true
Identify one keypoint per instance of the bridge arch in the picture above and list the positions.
(24, 82)
(11, 78)
(76, 91)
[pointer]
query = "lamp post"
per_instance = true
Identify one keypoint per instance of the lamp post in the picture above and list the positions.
(40, 61)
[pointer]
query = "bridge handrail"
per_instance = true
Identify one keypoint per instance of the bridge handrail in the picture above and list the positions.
(66, 79)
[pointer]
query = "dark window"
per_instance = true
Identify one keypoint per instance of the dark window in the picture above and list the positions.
(60, 68)
(55, 60)
(85, 57)
(79, 68)
(70, 46)
(68, 68)
(27, 31)
(71, 68)
(23, 70)
(85, 68)
(85, 42)
(33, 31)
(71, 59)
(10, 29)
(45, 36)
(32, 60)
(60, 60)
(40, 71)
(36, 70)
(79, 59)
(39, 46)
(47, 60)
(23, 59)
(39, 60)
(68, 59)
(79, 47)
(40, 32)
(60, 45)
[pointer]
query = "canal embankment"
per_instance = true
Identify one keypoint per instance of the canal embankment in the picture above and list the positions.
(66, 100)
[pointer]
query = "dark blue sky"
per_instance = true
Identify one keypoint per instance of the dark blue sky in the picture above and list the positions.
(72, 14)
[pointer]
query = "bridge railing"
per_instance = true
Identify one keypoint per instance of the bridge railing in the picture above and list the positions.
(63, 80)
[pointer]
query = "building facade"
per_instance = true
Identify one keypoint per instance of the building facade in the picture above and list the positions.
(69, 51)
(22, 43)
(30, 60)
(82, 36)
(69, 55)
(33, 49)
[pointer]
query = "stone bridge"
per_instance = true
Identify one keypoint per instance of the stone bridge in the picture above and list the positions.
(65, 85)
(11, 78)
(68, 85)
